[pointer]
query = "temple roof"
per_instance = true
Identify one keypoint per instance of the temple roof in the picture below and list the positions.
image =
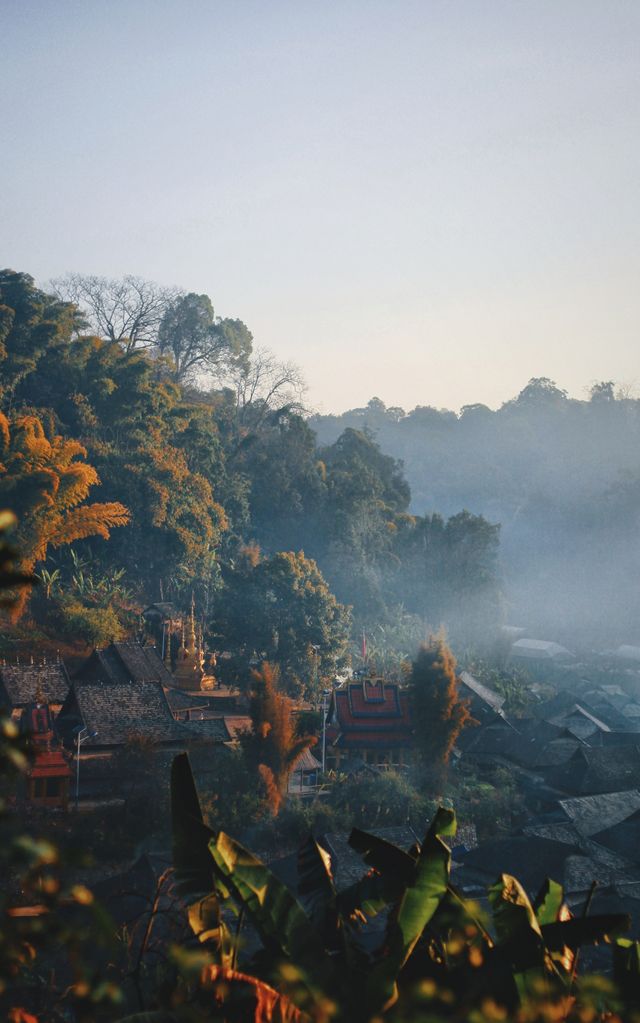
(116, 710)
(124, 662)
(370, 712)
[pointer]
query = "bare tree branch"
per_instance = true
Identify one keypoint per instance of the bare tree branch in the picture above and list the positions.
(128, 310)
(266, 385)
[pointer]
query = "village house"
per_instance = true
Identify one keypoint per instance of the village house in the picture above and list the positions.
(485, 704)
(598, 770)
(369, 720)
(108, 716)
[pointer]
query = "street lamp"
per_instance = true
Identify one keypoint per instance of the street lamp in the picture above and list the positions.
(82, 734)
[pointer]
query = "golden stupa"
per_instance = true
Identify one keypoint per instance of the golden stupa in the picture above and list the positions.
(189, 671)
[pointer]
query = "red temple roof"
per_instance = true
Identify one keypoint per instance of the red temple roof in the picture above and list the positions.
(370, 713)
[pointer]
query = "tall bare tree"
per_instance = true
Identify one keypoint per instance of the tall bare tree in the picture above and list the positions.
(265, 386)
(128, 310)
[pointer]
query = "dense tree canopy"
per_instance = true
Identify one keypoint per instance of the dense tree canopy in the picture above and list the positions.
(207, 473)
(281, 608)
(199, 343)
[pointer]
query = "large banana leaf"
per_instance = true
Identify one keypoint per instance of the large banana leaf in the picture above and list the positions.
(519, 935)
(413, 911)
(626, 971)
(383, 856)
(191, 836)
(585, 930)
(550, 908)
(392, 870)
(317, 893)
(278, 917)
(548, 902)
(369, 896)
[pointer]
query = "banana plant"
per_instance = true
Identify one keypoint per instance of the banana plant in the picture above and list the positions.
(428, 931)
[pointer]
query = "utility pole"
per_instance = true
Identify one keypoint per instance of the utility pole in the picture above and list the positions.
(80, 738)
(325, 693)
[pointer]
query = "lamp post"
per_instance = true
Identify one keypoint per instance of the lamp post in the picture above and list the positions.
(82, 734)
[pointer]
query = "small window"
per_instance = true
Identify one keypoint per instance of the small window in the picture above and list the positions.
(52, 787)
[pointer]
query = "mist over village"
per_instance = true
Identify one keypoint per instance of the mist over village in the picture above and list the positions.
(320, 513)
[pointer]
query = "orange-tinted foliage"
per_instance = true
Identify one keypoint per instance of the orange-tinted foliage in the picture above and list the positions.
(274, 742)
(42, 480)
(439, 712)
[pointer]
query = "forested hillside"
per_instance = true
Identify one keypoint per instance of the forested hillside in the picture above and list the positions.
(150, 451)
(561, 476)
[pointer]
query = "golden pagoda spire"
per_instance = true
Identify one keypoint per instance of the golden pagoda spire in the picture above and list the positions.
(192, 630)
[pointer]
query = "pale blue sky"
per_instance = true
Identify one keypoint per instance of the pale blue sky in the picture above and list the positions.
(429, 202)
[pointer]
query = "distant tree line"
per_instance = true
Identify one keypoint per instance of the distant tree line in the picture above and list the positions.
(562, 477)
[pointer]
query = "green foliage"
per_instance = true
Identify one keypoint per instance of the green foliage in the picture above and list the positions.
(490, 799)
(433, 943)
(198, 342)
(376, 800)
(284, 609)
(95, 626)
(513, 683)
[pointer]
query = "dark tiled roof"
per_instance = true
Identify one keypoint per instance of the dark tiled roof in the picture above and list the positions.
(124, 662)
(557, 831)
(593, 770)
(528, 743)
(582, 871)
(591, 814)
(623, 838)
(20, 681)
(180, 700)
(161, 609)
(471, 687)
(143, 663)
(529, 858)
(210, 728)
(116, 710)
(614, 739)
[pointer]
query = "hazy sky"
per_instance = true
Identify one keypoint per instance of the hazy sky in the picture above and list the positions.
(430, 202)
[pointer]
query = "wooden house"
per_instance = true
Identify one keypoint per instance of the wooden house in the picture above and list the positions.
(369, 719)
